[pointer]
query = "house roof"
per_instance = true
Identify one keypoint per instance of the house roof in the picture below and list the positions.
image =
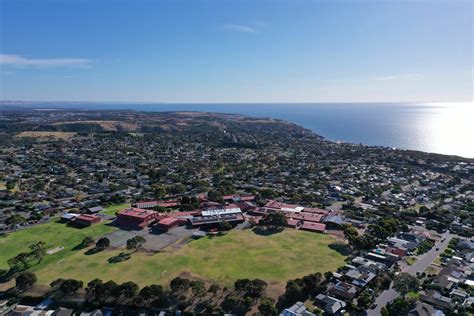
(136, 212)
(313, 226)
(87, 217)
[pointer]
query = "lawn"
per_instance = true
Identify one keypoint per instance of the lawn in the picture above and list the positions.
(411, 260)
(54, 234)
(239, 254)
(111, 210)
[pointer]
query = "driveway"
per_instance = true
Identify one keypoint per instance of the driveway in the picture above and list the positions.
(420, 265)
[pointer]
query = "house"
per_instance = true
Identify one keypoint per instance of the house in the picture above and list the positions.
(298, 309)
(382, 258)
(22, 310)
(370, 265)
(358, 278)
(67, 217)
(329, 305)
(95, 209)
(423, 309)
(86, 220)
(343, 290)
(136, 218)
(435, 298)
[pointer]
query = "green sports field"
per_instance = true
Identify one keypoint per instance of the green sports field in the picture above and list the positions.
(54, 234)
(239, 254)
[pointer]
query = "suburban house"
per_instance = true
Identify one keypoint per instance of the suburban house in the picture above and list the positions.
(344, 290)
(329, 305)
(298, 309)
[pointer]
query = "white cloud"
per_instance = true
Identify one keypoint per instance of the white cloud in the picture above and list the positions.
(399, 77)
(20, 61)
(240, 28)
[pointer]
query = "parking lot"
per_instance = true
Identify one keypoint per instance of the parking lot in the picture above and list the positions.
(155, 240)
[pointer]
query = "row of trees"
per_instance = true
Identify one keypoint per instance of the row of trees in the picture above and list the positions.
(180, 294)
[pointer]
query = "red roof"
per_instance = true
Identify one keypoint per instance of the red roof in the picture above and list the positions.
(179, 214)
(168, 221)
(310, 217)
(279, 205)
(87, 219)
(315, 210)
(148, 204)
(136, 212)
(292, 222)
(314, 226)
(396, 251)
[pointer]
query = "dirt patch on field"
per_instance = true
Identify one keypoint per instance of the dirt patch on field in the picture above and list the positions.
(58, 135)
(7, 285)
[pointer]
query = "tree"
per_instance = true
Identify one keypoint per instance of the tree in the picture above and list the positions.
(128, 289)
(25, 280)
(293, 293)
(135, 242)
(242, 285)
(257, 287)
(364, 300)
(94, 290)
(267, 307)
(215, 196)
(68, 286)
(10, 185)
(87, 241)
(399, 306)
(20, 261)
(179, 285)
(350, 233)
(198, 288)
(404, 283)
(151, 292)
(102, 243)
(275, 219)
(15, 220)
(38, 250)
(224, 226)
(214, 288)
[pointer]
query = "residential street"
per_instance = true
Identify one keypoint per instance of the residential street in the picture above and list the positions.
(420, 265)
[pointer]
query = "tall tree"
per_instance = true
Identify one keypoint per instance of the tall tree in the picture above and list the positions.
(404, 283)
(25, 280)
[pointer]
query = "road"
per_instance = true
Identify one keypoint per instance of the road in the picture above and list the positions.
(420, 265)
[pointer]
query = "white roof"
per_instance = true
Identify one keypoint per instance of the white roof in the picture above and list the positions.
(221, 211)
(296, 209)
(69, 215)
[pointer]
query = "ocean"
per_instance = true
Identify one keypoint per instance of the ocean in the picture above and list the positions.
(445, 128)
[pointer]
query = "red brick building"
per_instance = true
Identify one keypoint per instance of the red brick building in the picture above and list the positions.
(168, 223)
(136, 218)
(86, 220)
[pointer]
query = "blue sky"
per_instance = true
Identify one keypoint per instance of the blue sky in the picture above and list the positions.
(236, 51)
